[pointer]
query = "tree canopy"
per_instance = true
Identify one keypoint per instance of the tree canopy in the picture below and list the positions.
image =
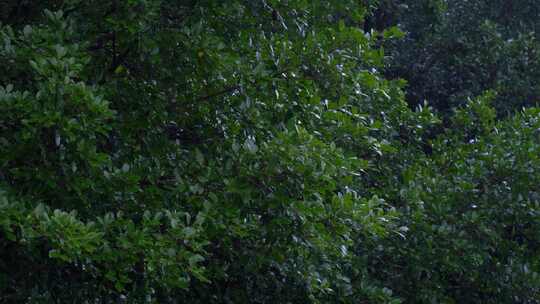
(457, 49)
(269, 152)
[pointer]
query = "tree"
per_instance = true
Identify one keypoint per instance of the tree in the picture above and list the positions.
(158, 150)
(247, 152)
(454, 50)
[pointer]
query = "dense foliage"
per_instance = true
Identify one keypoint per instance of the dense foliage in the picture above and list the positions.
(257, 152)
(460, 48)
